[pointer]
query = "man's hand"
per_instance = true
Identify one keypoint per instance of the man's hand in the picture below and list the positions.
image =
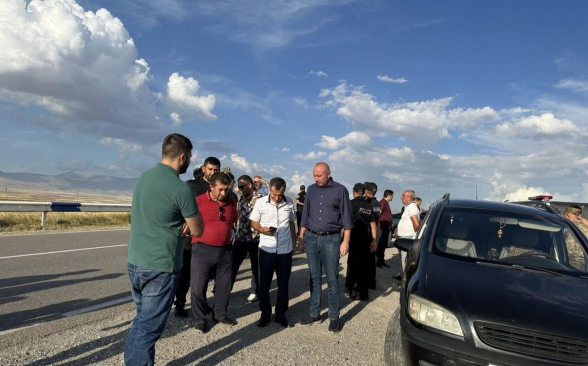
(373, 245)
(266, 231)
(301, 243)
(184, 230)
(344, 248)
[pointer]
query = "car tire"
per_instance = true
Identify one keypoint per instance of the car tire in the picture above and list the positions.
(393, 350)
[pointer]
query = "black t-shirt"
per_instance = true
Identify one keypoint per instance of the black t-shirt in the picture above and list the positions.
(300, 197)
(373, 201)
(363, 214)
(199, 186)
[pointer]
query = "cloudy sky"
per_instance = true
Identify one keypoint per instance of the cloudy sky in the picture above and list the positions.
(425, 95)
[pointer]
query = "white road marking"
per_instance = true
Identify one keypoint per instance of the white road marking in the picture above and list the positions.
(98, 307)
(17, 329)
(63, 251)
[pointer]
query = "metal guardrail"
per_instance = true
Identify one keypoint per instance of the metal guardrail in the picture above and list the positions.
(44, 207)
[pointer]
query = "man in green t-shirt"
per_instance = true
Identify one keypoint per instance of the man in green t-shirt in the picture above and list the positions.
(163, 211)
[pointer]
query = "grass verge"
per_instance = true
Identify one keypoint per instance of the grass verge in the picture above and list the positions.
(31, 221)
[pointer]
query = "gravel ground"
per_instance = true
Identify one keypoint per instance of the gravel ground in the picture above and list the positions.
(99, 337)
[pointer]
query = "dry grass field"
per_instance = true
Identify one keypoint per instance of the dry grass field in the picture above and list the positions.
(31, 221)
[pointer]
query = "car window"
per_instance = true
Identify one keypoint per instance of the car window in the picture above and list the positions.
(418, 243)
(573, 250)
(510, 238)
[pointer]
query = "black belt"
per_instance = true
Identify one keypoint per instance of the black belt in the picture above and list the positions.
(322, 233)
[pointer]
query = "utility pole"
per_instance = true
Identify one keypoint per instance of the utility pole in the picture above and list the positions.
(476, 192)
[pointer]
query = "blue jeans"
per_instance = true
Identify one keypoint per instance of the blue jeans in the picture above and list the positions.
(323, 250)
(153, 293)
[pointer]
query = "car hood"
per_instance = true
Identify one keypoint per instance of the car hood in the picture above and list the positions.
(531, 300)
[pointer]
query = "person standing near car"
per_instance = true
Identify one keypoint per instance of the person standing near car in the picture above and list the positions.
(385, 222)
(273, 217)
(327, 213)
(200, 184)
(370, 194)
(574, 214)
(246, 239)
(163, 211)
(409, 223)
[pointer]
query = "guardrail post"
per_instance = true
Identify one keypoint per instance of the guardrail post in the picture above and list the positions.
(43, 218)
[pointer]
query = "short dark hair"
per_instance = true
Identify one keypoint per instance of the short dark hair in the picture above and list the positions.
(245, 178)
(371, 186)
(211, 160)
(174, 145)
(388, 192)
(221, 178)
(197, 173)
(277, 183)
(231, 176)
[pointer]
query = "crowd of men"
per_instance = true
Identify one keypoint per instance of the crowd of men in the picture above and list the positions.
(185, 234)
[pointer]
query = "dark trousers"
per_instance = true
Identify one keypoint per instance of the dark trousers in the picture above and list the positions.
(209, 261)
(298, 219)
(184, 283)
(281, 264)
(359, 262)
(240, 251)
(383, 242)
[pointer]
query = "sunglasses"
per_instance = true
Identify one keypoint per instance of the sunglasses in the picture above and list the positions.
(241, 186)
(221, 213)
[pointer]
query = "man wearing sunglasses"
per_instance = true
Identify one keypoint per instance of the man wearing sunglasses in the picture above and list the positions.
(212, 250)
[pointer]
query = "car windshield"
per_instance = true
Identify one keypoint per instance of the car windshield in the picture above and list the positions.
(511, 239)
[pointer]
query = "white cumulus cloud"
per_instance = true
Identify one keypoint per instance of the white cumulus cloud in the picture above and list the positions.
(538, 126)
(310, 156)
(388, 79)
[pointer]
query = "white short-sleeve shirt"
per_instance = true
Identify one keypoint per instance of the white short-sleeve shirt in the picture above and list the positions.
(405, 228)
(267, 214)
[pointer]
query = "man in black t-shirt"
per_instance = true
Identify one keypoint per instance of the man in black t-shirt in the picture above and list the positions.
(300, 205)
(361, 244)
(370, 195)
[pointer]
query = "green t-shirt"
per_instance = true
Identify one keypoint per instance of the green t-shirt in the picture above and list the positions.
(161, 201)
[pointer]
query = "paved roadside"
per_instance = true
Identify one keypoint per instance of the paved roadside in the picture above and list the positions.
(98, 337)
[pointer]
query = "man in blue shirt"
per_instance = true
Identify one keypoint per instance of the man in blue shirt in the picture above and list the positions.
(325, 230)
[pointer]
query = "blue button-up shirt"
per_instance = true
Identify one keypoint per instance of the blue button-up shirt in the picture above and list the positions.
(327, 208)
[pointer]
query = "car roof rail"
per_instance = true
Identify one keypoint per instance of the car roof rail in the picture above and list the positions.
(446, 197)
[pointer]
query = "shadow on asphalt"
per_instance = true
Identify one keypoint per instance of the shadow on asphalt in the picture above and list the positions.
(26, 280)
(239, 308)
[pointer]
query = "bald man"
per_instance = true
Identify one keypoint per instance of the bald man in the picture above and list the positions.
(325, 230)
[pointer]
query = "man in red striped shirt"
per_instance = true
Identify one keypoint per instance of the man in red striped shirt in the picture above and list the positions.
(213, 249)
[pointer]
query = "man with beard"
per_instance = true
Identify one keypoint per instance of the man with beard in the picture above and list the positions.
(361, 244)
(163, 211)
(212, 252)
(199, 185)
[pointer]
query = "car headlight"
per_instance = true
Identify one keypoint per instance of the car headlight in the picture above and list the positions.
(432, 315)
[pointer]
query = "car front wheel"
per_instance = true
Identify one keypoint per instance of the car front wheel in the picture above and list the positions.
(393, 351)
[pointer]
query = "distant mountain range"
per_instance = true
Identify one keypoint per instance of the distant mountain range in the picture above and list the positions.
(67, 181)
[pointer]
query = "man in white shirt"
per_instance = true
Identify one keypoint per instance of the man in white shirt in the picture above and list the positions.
(409, 223)
(273, 216)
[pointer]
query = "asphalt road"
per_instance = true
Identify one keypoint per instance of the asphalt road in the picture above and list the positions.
(44, 277)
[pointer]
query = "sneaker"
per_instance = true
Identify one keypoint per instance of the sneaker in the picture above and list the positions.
(334, 326)
(282, 320)
(180, 311)
(309, 320)
(252, 298)
(226, 321)
(262, 322)
(200, 328)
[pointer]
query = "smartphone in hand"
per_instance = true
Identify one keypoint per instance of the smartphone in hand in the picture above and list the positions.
(273, 229)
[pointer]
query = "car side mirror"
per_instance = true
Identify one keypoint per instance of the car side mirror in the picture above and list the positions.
(404, 244)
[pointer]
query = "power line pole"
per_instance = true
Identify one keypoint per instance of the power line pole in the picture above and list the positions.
(476, 192)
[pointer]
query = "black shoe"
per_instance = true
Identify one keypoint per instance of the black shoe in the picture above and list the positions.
(282, 320)
(334, 326)
(200, 328)
(309, 320)
(262, 322)
(398, 277)
(365, 297)
(226, 321)
(180, 311)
